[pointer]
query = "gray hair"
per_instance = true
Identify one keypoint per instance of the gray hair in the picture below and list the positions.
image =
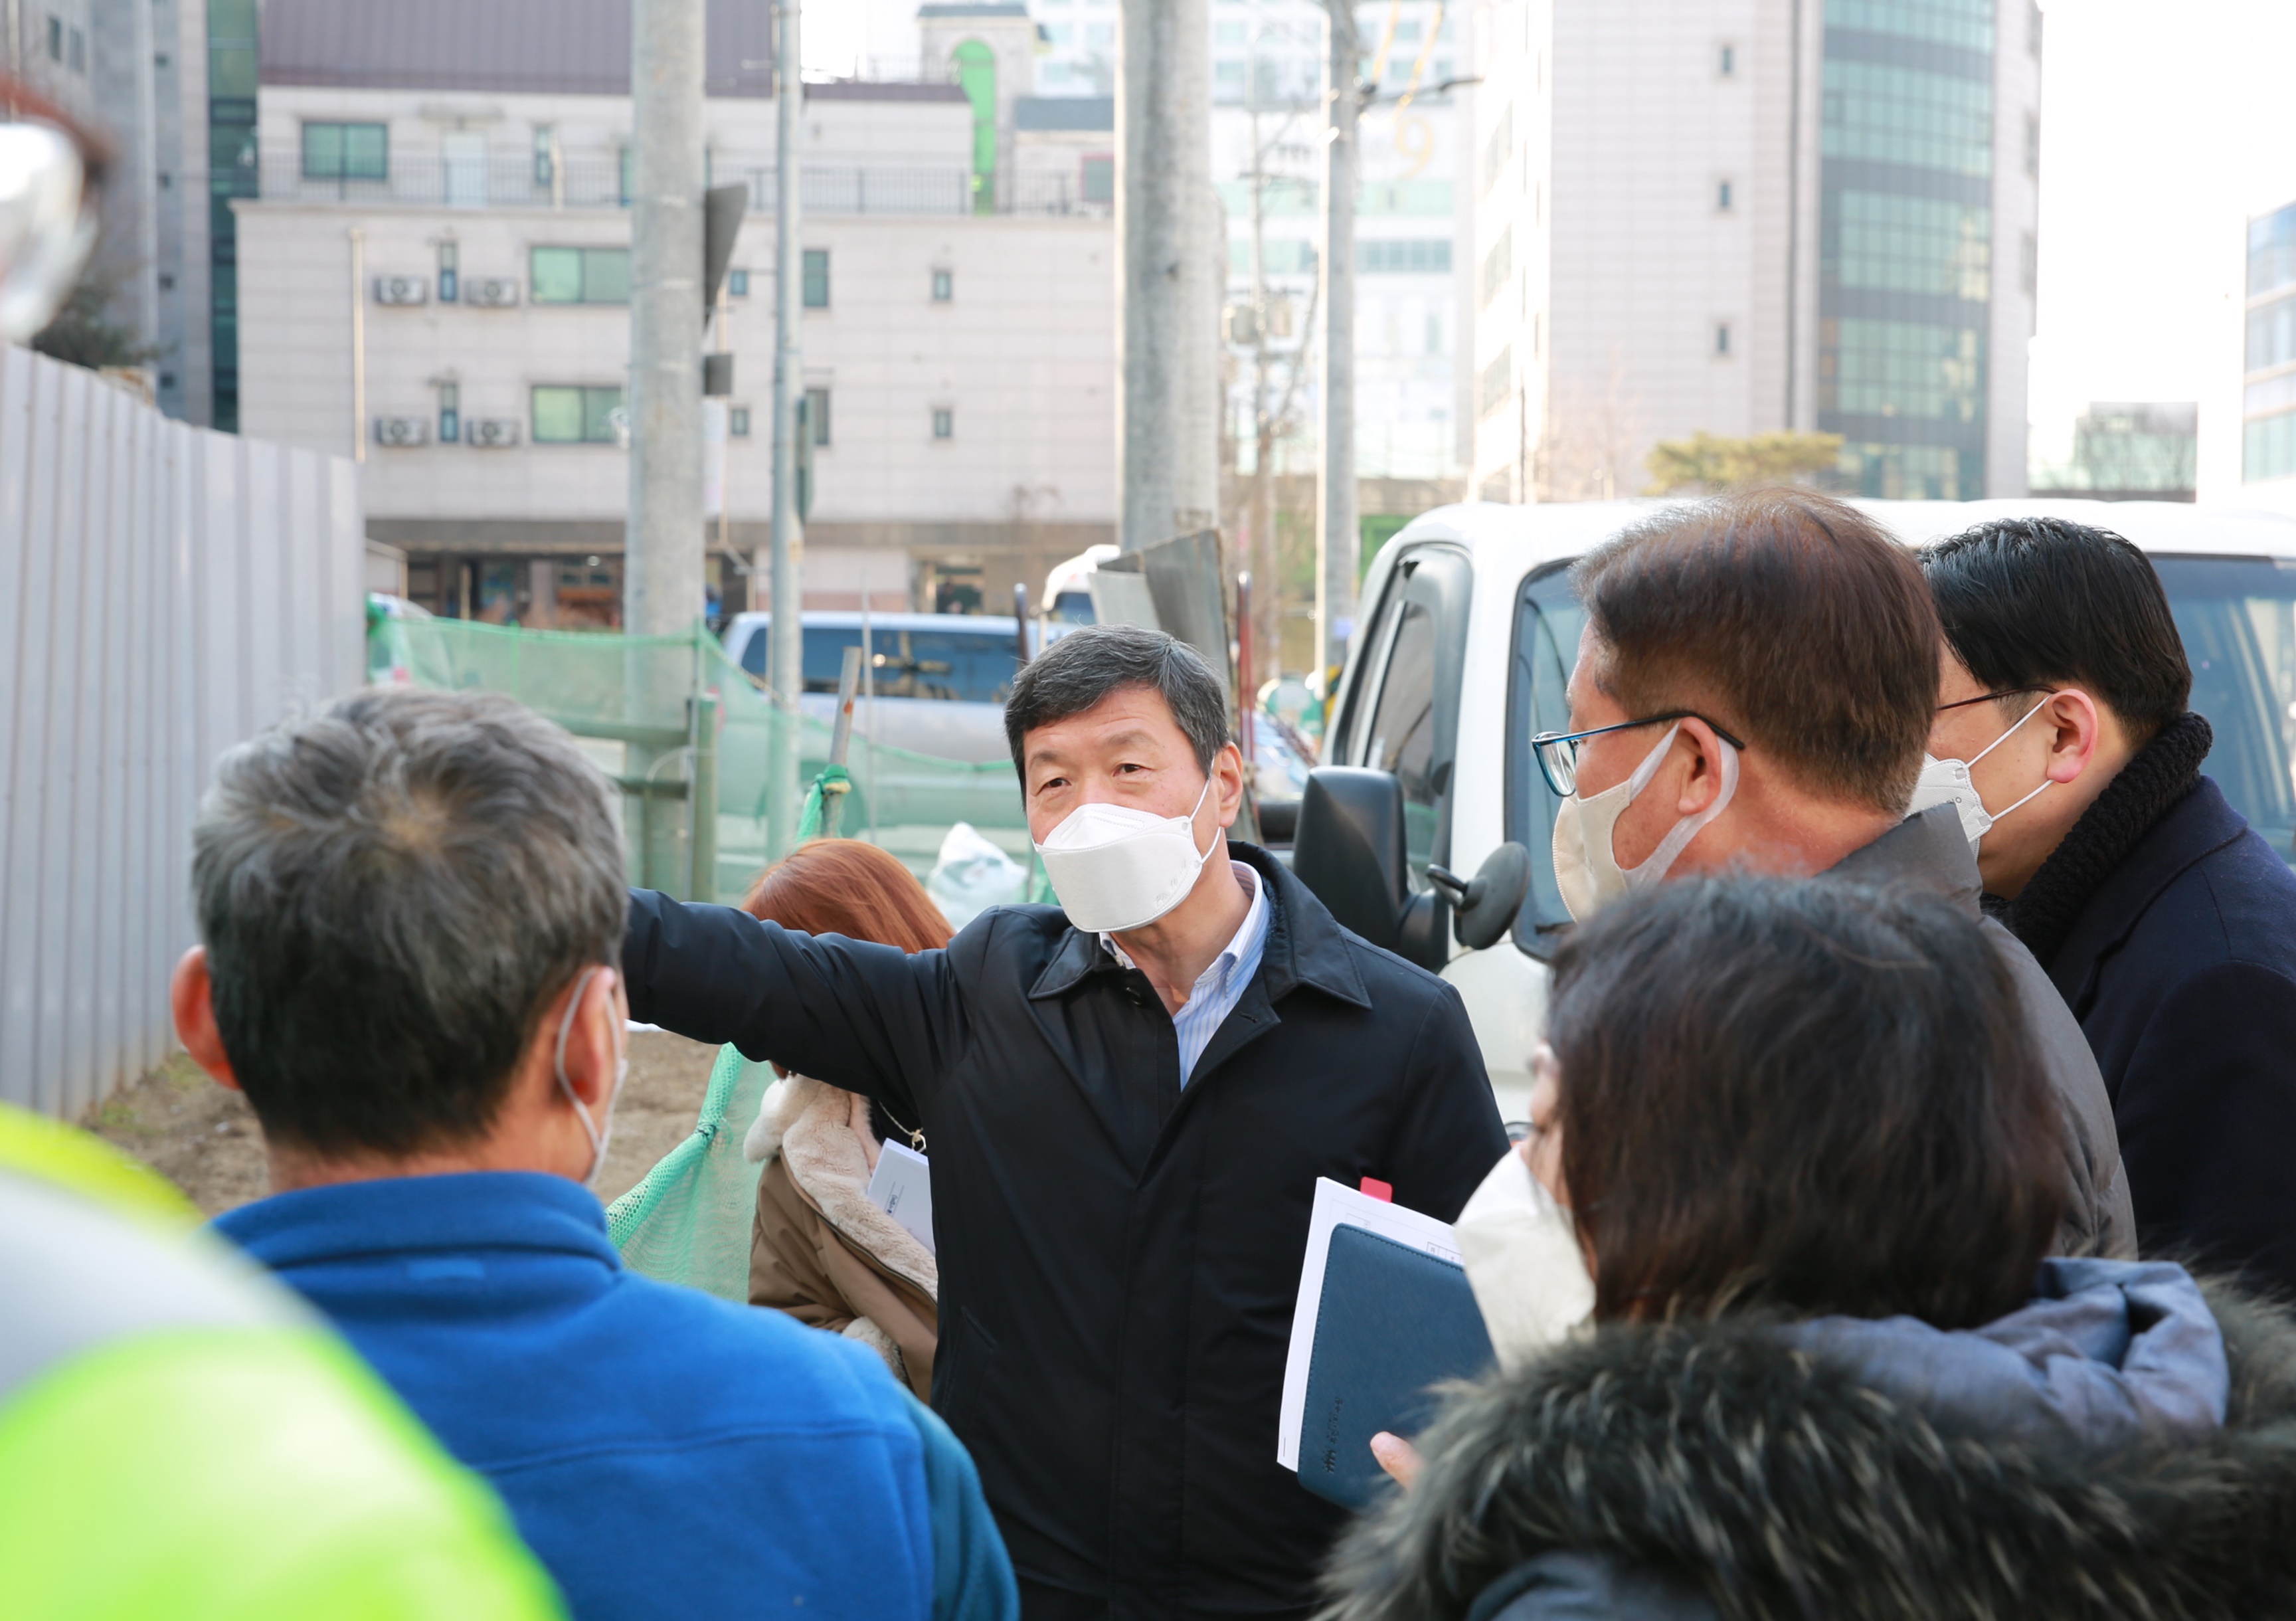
(1086, 665)
(391, 892)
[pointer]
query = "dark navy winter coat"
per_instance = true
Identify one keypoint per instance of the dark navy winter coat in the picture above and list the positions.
(1118, 1257)
(2182, 970)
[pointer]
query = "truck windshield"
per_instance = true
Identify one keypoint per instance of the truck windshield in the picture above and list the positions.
(2237, 616)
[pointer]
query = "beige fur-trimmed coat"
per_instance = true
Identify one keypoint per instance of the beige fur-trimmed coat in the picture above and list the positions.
(819, 1249)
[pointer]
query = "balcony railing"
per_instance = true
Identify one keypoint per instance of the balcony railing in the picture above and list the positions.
(525, 181)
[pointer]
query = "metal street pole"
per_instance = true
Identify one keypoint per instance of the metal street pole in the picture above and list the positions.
(1168, 417)
(1337, 534)
(785, 646)
(662, 558)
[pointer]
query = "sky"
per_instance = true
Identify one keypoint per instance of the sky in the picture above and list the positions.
(2164, 125)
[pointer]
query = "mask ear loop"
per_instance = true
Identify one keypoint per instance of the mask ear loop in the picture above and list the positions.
(581, 1110)
(1678, 836)
(1993, 817)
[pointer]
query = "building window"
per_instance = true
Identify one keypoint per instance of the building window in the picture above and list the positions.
(817, 278)
(737, 420)
(77, 53)
(1497, 377)
(1721, 339)
(576, 416)
(2033, 145)
(546, 155)
(944, 286)
(449, 272)
(345, 151)
(817, 415)
(2028, 269)
(1099, 179)
(629, 175)
(1403, 255)
(1499, 146)
(1722, 196)
(450, 413)
(737, 284)
(580, 276)
(1726, 62)
(55, 37)
(1498, 264)
(944, 423)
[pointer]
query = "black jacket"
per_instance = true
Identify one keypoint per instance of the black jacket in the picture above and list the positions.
(1730, 1471)
(2181, 967)
(1118, 1257)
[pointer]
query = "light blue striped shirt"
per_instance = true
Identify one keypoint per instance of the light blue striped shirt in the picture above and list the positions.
(1219, 987)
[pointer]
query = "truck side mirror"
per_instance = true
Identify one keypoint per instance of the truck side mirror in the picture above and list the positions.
(1349, 850)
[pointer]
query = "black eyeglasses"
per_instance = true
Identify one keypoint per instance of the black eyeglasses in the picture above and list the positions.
(1558, 751)
(1989, 697)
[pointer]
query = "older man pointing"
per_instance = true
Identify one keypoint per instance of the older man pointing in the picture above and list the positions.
(1128, 1102)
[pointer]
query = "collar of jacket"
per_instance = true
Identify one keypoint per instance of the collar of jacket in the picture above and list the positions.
(2194, 828)
(1927, 849)
(1304, 946)
(2157, 778)
(397, 1215)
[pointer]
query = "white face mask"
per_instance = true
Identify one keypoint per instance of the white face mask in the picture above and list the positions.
(598, 1138)
(1946, 782)
(1523, 1262)
(1115, 867)
(1588, 869)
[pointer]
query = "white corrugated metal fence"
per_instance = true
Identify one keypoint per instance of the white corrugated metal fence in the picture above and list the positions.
(165, 592)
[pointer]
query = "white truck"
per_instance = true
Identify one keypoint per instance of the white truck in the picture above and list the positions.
(1467, 633)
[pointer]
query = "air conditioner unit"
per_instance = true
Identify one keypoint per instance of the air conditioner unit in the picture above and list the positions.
(491, 291)
(402, 430)
(402, 289)
(493, 433)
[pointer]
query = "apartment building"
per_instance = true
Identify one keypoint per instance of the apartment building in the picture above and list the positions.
(1750, 215)
(432, 267)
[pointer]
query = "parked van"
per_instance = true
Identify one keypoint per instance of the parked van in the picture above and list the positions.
(937, 681)
(1470, 630)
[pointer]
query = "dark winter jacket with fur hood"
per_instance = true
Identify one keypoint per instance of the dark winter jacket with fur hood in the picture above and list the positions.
(2120, 1448)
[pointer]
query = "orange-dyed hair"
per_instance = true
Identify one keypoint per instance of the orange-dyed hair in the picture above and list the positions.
(843, 886)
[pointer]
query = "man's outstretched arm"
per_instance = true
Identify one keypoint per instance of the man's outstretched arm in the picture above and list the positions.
(870, 1018)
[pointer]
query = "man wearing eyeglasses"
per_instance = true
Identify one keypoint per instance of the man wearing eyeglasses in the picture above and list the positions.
(2165, 920)
(1753, 691)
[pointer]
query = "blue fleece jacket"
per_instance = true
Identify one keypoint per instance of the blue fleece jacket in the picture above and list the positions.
(664, 1453)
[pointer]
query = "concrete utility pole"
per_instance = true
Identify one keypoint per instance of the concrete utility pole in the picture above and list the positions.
(1336, 533)
(1167, 410)
(785, 647)
(662, 562)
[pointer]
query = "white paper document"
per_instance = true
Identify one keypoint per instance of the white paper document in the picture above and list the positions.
(902, 1187)
(1335, 1206)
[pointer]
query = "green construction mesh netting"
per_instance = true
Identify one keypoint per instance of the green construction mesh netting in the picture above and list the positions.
(688, 1220)
(614, 692)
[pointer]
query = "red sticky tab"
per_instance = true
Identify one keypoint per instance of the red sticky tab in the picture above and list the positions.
(1384, 1192)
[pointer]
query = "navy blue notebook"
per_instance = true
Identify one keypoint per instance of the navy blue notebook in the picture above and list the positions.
(1393, 1321)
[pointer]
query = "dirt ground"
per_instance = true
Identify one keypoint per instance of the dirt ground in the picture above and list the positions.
(204, 1138)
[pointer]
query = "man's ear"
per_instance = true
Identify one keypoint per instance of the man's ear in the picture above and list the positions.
(593, 1042)
(1227, 776)
(1704, 781)
(2076, 726)
(191, 996)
